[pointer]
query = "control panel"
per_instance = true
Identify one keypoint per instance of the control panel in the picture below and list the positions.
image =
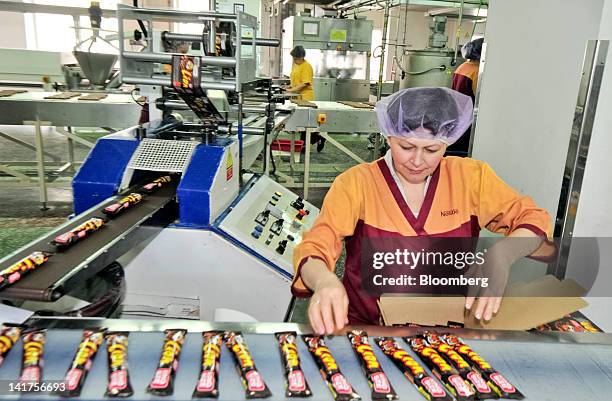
(270, 220)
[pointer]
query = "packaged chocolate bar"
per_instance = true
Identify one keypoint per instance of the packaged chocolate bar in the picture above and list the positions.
(208, 383)
(567, 324)
(163, 381)
(448, 375)
(71, 237)
(330, 371)
(82, 362)
(377, 379)
(123, 204)
(542, 327)
(482, 389)
(118, 376)
(295, 380)
(254, 384)
(33, 351)
(494, 379)
(8, 337)
(576, 326)
(16, 271)
(156, 184)
(586, 324)
(425, 384)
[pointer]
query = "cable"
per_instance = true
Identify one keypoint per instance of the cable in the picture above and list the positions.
(272, 162)
(441, 68)
(475, 20)
(141, 24)
(458, 35)
(136, 100)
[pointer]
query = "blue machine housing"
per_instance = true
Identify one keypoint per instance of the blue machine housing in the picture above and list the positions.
(102, 171)
(100, 175)
(193, 192)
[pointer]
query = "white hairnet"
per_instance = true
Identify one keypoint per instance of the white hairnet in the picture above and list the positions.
(428, 113)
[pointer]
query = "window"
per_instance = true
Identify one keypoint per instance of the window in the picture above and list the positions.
(189, 5)
(54, 32)
(375, 61)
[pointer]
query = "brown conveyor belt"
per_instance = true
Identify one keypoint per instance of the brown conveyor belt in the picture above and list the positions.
(52, 279)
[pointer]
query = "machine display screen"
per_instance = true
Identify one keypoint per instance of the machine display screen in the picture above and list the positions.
(310, 28)
(337, 35)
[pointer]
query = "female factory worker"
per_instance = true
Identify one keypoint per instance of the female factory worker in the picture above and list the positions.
(465, 77)
(301, 75)
(412, 191)
(302, 83)
(465, 80)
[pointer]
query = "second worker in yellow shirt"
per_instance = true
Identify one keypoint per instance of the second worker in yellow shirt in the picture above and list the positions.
(302, 83)
(301, 75)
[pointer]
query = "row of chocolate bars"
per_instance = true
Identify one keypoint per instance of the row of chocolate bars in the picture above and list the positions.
(19, 269)
(574, 322)
(464, 374)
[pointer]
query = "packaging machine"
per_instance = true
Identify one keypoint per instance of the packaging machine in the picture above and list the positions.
(215, 233)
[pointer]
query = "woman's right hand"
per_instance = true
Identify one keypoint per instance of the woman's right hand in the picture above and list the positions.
(328, 309)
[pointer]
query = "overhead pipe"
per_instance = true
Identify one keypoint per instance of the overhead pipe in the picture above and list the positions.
(166, 58)
(186, 37)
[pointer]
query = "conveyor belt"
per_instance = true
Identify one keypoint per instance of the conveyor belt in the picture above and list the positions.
(116, 110)
(543, 368)
(339, 118)
(90, 255)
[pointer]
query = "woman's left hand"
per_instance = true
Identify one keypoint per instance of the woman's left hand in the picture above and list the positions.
(486, 307)
(496, 270)
(486, 300)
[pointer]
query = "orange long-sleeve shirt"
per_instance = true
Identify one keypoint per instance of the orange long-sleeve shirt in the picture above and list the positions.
(465, 78)
(464, 195)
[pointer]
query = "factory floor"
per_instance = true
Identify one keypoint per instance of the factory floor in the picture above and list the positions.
(21, 217)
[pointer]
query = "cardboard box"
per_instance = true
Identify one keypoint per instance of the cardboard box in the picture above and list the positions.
(525, 306)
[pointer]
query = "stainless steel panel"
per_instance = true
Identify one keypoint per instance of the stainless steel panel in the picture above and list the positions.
(323, 88)
(358, 32)
(339, 118)
(552, 337)
(423, 68)
(118, 111)
(212, 269)
(578, 149)
(351, 89)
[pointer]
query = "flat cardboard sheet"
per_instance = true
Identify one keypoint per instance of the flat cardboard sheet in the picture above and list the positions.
(357, 105)
(304, 103)
(11, 92)
(94, 97)
(63, 95)
(525, 306)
